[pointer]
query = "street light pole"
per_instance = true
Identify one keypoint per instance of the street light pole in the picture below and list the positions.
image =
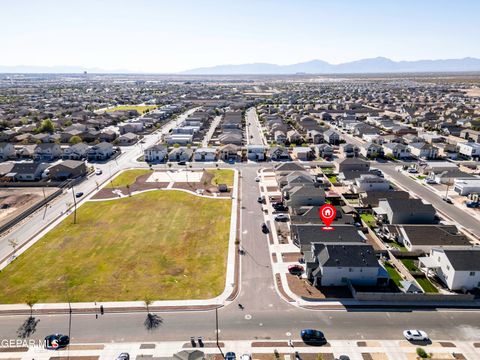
(74, 206)
(216, 332)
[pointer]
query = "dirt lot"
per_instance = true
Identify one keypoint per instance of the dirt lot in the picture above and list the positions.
(302, 288)
(14, 201)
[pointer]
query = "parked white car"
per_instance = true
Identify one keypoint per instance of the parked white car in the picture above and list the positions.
(415, 335)
(430, 181)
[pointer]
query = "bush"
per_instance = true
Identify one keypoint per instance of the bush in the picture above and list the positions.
(422, 353)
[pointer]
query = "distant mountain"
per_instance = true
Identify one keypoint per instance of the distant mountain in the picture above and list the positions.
(24, 69)
(373, 65)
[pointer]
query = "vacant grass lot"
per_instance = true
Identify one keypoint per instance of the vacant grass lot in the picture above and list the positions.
(160, 245)
(142, 109)
(222, 176)
(128, 177)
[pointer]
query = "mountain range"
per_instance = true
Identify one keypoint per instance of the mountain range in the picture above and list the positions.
(373, 65)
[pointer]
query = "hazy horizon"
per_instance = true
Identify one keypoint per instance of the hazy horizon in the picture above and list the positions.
(169, 37)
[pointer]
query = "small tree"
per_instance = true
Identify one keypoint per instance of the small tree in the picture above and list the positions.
(422, 353)
(46, 126)
(75, 140)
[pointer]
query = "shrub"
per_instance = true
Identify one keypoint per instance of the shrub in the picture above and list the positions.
(422, 353)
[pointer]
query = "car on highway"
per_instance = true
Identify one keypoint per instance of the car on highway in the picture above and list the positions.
(79, 194)
(230, 356)
(295, 269)
(261, 199)
(412, 171)
(447, 200)
(430, 181)
(98, 172)
(415, 335)
(56, 341)
(281, 217)
(257, 179)
(123, 356)
(312, 336)
(265, 228)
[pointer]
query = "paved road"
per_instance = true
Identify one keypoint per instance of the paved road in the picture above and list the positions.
(211, 130)
(458, 215)
(255, 135)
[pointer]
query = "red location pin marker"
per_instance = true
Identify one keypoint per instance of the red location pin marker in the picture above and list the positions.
(327, 213)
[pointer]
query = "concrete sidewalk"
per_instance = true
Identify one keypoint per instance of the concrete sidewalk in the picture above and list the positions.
(355, 349)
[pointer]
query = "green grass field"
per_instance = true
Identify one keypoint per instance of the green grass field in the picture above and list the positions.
(394, 275)
(222, 176)
(369, 220)
(142, 109)
(426, 285)
(409, 264)
(160, 245)
(128, 177)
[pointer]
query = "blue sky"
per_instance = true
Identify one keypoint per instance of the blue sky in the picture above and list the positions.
(168, 36)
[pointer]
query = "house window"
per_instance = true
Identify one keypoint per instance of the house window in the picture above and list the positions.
(438, 259)
(448, 267)
(472, 273)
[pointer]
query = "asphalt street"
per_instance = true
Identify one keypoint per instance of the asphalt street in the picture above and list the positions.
(255, 136)
(265, 314)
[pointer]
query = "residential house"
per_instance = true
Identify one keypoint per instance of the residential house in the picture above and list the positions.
(256, 152)
(180, 154)
(27, 171)
(127, 139)
(426, 237)
(349, 164)
(304, 195)
(47, 152)
(302, 153)
(349, 150)
(230, 152)
(205, 154)
(423, 150)
(371, 198)
(75, 152)
(324, 151)
(155, 153)
(331, 137)
(467, 187)
(370, 182)
(405, 211)
(102, 151)
(396, 150)
(458, 267)
(470, 150)
(304, 235)
(339, 264)
(294, 137)
(67, 169)
(7, 151)
(278, 153)
(371, 150)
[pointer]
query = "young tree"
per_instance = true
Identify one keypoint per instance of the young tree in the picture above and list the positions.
(75, 139)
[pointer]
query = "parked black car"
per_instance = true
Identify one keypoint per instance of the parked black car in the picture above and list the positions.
(265, 228)
(56, 341)
(311, 336)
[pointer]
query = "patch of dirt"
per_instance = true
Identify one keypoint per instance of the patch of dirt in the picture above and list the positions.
(291, 256)
(274, 257)
(447, 344)
(325, 356)
(280, 288)
(374, 356)
(303, 288)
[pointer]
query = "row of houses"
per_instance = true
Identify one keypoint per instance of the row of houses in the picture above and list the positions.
(52, 151)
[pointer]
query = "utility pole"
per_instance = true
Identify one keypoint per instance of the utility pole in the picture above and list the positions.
(216, 332)
(74, 206)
